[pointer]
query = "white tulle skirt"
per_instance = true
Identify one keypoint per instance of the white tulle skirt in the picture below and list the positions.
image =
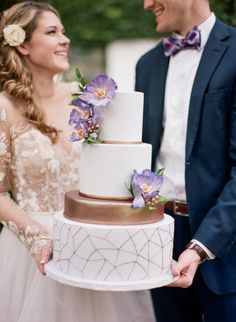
(27, 296)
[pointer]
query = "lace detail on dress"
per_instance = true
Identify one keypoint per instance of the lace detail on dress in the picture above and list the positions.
(5, 155)
(33, 237)
(42, 172)
(38, 171)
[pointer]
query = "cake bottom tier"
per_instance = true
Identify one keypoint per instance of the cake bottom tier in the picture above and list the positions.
(113, 253)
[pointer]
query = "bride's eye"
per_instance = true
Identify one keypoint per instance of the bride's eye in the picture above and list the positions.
(51, 32)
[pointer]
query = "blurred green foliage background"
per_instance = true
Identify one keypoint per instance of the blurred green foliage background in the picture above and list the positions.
(92, 23)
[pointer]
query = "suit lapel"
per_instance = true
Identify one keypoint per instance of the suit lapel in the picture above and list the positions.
(156, 100)
(213, 52)
(157, 91)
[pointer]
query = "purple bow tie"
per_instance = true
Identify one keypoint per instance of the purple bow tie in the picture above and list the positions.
(173, 45)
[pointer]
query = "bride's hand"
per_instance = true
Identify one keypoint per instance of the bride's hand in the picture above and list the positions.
(42, 253)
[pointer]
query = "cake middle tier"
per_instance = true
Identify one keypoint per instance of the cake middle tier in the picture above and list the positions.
(105, 169)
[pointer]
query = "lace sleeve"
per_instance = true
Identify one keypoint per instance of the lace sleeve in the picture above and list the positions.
(12, 216)
(5, 155)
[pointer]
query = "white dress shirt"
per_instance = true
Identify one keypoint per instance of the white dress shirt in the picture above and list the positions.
(180, 77)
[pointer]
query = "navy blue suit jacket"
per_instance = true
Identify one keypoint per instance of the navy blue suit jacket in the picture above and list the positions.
(210, 168)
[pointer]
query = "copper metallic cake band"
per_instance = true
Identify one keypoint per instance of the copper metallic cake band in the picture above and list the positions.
(104, 197)
(121, 142)
(95, 211)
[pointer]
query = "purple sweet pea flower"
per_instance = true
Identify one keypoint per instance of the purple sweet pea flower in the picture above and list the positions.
(99, 91)
(79, 103)
(145, 186)
(138, 201)
(83, 112)
(84, 118)
(75, 117)
(78, 135)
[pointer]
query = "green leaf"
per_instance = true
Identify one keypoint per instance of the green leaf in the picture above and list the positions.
(80, 79)
(92, 140)
(162, 200)
(75, 95)
(129, 188)
(160, 171)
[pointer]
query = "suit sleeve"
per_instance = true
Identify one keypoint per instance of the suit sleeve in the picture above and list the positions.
(218, 229)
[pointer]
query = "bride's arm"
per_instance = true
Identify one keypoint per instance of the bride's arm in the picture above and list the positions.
(34, 236)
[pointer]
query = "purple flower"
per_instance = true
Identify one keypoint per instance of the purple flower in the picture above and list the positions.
(85, 117)
(83, 112)
(84, 121)
(79, 134)
(79, 103)
(145, 186)
(75, 117)
(99, 91)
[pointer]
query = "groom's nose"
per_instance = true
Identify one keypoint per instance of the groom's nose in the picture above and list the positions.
(148, 4)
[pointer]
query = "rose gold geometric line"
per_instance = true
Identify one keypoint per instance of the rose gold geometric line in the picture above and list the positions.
(149, 239)
(101, 268)
(126, 252)
(113, 269)
(132, 269)
(65, 245)
(76, 246)
(77, 269)
(98, 250)
(145, 272)
(103, 238)
(60, 262)
(114, 266)
(130, 238)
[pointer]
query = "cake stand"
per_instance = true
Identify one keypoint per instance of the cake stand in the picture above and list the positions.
(59, 276)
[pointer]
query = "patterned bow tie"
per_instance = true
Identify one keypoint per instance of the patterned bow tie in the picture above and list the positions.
(173, 45)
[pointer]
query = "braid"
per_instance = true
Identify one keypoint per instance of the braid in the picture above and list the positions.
(15, 78)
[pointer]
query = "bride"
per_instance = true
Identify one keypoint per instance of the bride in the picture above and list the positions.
(37, 165)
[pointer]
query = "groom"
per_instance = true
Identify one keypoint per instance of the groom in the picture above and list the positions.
(189, 87)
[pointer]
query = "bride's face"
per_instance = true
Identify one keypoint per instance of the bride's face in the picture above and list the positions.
(47, 49)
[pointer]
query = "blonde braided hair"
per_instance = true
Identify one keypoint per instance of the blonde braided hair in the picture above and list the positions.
(15, 78)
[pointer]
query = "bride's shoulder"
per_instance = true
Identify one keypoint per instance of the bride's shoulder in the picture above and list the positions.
(8, 107)
(6, 102)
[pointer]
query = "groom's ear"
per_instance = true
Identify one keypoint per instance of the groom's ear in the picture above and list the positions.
(23, 49)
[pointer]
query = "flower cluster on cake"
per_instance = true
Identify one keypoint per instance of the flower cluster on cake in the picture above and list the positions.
(86, 103)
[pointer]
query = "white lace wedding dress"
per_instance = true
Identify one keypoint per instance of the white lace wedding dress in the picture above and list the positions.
(38, 173)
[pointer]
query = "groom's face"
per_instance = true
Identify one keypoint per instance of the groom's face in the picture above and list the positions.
(173, 15)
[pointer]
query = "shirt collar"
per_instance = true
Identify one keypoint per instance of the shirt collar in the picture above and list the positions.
(206, 28)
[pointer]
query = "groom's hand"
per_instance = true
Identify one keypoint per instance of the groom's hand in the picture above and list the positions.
(185, 268)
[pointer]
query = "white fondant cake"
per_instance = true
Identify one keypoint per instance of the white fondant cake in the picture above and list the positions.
(121, 120)
(105, 168)
(91, 248)
(113, 253)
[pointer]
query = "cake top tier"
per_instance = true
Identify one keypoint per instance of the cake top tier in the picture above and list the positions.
(121, 119)
(101, 114)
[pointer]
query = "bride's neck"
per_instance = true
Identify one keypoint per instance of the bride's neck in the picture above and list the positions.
(44, 86)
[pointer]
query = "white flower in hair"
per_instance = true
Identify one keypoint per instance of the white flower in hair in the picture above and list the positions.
(14, 35)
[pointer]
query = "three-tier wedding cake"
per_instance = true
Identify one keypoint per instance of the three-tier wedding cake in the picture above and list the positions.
(101, 241)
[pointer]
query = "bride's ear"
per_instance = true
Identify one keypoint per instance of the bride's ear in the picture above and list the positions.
(23, 49)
